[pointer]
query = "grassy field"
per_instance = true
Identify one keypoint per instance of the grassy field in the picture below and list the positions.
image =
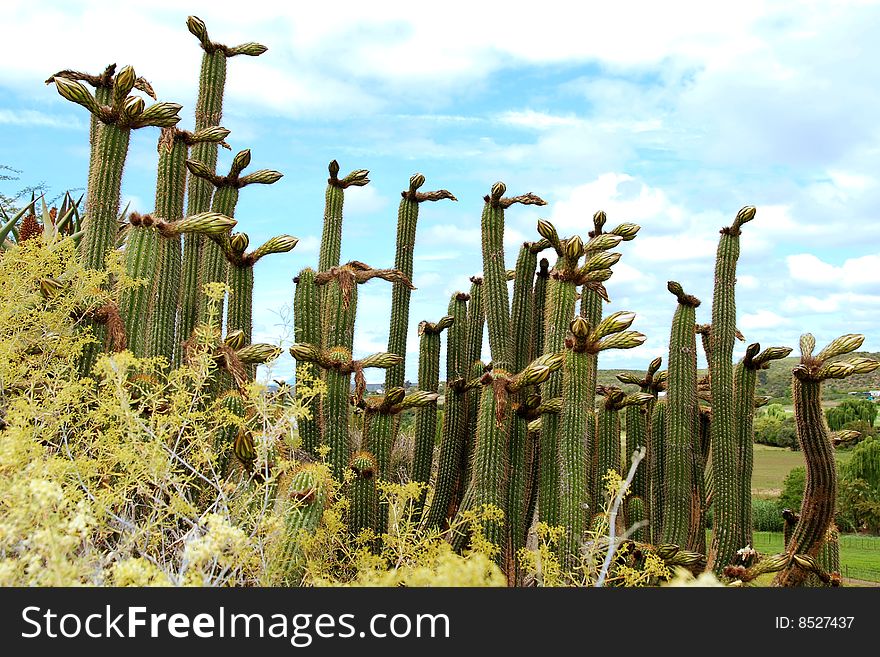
(772, 464)
(859, 555)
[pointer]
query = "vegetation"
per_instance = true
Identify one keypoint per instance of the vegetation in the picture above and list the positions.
(137, 447)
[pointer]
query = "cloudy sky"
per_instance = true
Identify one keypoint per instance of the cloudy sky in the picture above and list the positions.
(670, 115)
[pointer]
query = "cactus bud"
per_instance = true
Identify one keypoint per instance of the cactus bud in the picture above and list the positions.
(636, 399)
(746, 214)
(206, 223)
(835, 370)
(535, 426)
(599, 219)
(614, 323)
(76, 92)
(50, 287)
(554, 360)
(161, 115)
(772, 353)
(602, 260)
(626, 231)
(394, 396)
(240, 162)
(261, 177)
(603, 242)
(497, 191)
(277, 244)
(235, 339)
(239, 242)
(258, 353)
(211, 134)
(751, 351)
(655, 365)
(622, 340)
(123, 84)
(198, 169)
(383, 360)
(305, 352)
(416, 181)
(133, 107)
(445, 322)
(548, 232)
(626, 377)
(579, 327)
(419, 399)
(661, 377)
(863, 365)
(197, 28)
(363, 464)
(762, 400)
(574, 248)
(842, 345)
(807, 344)
(357, 178)
(251, 49)
(597, 276)
(243, 447)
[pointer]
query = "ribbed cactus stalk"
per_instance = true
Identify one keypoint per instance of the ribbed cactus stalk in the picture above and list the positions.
(476, 323)
(490, 475)
(364, 500)
(407, 219)
(539, 300)
(700, 481)
(577, 423)
(635, 514)
(725, 498)
(817, 508)
(240, 277)
(233, 404)
(331, 238)
(209, 110)
(454, 414)
(300, 504)
(745, 379)
(426, 417)
(658, 470)
(681, 419)
(216, 253)
(307, 330)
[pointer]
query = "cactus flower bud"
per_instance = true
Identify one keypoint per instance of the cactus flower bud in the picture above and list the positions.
(807, 344)
(258, 353)
(622, 340)
(603, 242)
(842, 345)
(261, 177)
(383, 360)
(614, 323)
(626, 231)
(235, 339)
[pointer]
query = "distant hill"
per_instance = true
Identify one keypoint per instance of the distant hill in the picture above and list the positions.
(776, 381)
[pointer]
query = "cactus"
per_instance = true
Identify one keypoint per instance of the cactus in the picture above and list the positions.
(300, 504)
(307, 330)
(726, 501)
(454, 415)
(539, 300)
(407, 219)
(745, 378)
(817, 509)
(364, 501)
(681, 419)
(474, 369)
(426, 417)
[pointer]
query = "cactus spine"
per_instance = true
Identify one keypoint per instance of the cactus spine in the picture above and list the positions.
(364, 501)
(817, 508)
(726, 500)
(331, 238)
(307, 330)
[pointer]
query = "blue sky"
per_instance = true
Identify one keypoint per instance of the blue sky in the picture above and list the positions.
(670, 115)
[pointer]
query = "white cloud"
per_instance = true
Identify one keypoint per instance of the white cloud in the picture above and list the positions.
(763, 319)
(858, 272)
(24, 117)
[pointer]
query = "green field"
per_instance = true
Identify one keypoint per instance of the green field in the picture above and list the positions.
(772, 464)
(859, 555)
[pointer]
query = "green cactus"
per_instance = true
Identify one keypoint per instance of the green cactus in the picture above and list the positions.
(364, 500)
(539, 300)
(725, 500)
(407, 219)
(454, 414)
(681, 419)
(300, 504)
(331, 238)
(426, 417)
(745, 379)
(307, 330)
(817, 508)
(474, 369)
(658, 470)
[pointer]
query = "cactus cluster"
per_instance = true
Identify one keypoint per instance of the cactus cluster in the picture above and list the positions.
(527, 432)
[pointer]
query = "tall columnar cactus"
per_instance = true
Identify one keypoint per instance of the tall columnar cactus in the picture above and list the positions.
(700, 481)
(658, 471)
(454, 414)
(118, 118)
(407, 219)
(726, 500)
(426, 417)
(209, 110)
(681, 419)
(239, 316)
(331, 238)
(476, 323)
(639, 434)
(539, 300)
(216, 252)
(364, 500)
(745, 378)
(817, 508)
(300, 504)
(493, 424)
(577, 421)
(307, 330)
